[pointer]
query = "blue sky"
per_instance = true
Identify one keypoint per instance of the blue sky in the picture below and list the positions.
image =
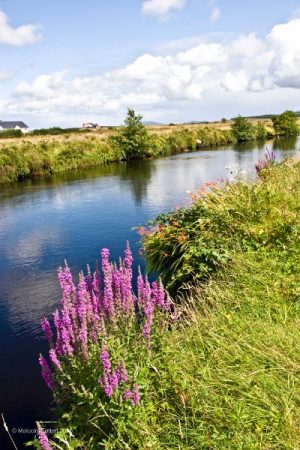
(64, 62)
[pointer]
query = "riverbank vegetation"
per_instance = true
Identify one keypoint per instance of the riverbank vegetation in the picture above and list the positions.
(45, 152)
(218, 369)
(286, 124)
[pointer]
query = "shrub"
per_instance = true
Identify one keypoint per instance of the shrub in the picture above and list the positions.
(132, 140)
(57, 131)
(191, 243)
(10, 134)
(286, 124)
(261, 132)
(243, 129)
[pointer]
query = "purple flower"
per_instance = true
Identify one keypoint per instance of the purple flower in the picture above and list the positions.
(128, 257)
(108, 295)
(46, 372)
(135, 396)
(47, 329)
(104, 356)
(54, 359)
(127, 394)
(122, 373)
(43, 439)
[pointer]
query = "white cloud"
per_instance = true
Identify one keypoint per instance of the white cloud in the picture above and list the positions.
(161, 8)
(216, 70)
(284, 40)
(215, 14)
(6, 75)
(25, 34)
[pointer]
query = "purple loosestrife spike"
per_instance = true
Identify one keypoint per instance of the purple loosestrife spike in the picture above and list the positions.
(108, 389)
(54, 359)
(114, 381)
(128, 257)
(47, 329)
(104, 356)
(108, 296)
(135, 396)
(83, 338)
(122, 373)
(140, 286)
(89, 280)
(43, 439)
(46, 372)
(127, 394)
(66, 346)
(104, 382)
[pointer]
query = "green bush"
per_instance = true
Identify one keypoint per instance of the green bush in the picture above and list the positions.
(261, 132)
(57, 131)
(286, 124)
(10, 134)
(243, 130)
(132, 140)
(191, 243)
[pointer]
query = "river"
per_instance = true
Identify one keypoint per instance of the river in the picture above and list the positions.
(73, 216)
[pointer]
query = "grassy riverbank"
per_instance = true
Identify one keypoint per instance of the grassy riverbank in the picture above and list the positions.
(35, 156)
(45, 152)
(225, 374)
(233, 367)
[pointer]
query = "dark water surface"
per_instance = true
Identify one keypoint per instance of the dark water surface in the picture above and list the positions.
(73, 216)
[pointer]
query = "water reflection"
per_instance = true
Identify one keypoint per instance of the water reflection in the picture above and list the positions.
(284, 144)
(138, 175)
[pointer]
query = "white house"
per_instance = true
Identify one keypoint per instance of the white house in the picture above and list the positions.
(11, 125)
(89, 125)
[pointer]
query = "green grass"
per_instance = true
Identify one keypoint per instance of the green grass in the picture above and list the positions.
(232, 370)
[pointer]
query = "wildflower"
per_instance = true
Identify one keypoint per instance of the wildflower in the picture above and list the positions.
(122, 373)
(108, 296)
(128, 257)
(43, 439)
(47, 329)
(127, 395)
(46, 372)
(104, 356)
(54, 359)
(269, 159)
(135, 396)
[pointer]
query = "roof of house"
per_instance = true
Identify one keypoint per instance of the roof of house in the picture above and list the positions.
(8, 125)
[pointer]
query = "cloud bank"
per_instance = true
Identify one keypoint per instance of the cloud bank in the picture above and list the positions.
(224, 68)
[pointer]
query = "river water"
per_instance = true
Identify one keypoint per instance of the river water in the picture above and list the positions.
(73, 216)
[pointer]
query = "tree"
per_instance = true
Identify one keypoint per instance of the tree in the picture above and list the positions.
(132, 140)
(286, 124)
(242, 129)
(261, 132)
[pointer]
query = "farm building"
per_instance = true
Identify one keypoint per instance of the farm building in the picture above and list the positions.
(13, 125)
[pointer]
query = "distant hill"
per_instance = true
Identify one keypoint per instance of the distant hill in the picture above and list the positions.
(268, 116)
(150, 123)
(196, 122)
